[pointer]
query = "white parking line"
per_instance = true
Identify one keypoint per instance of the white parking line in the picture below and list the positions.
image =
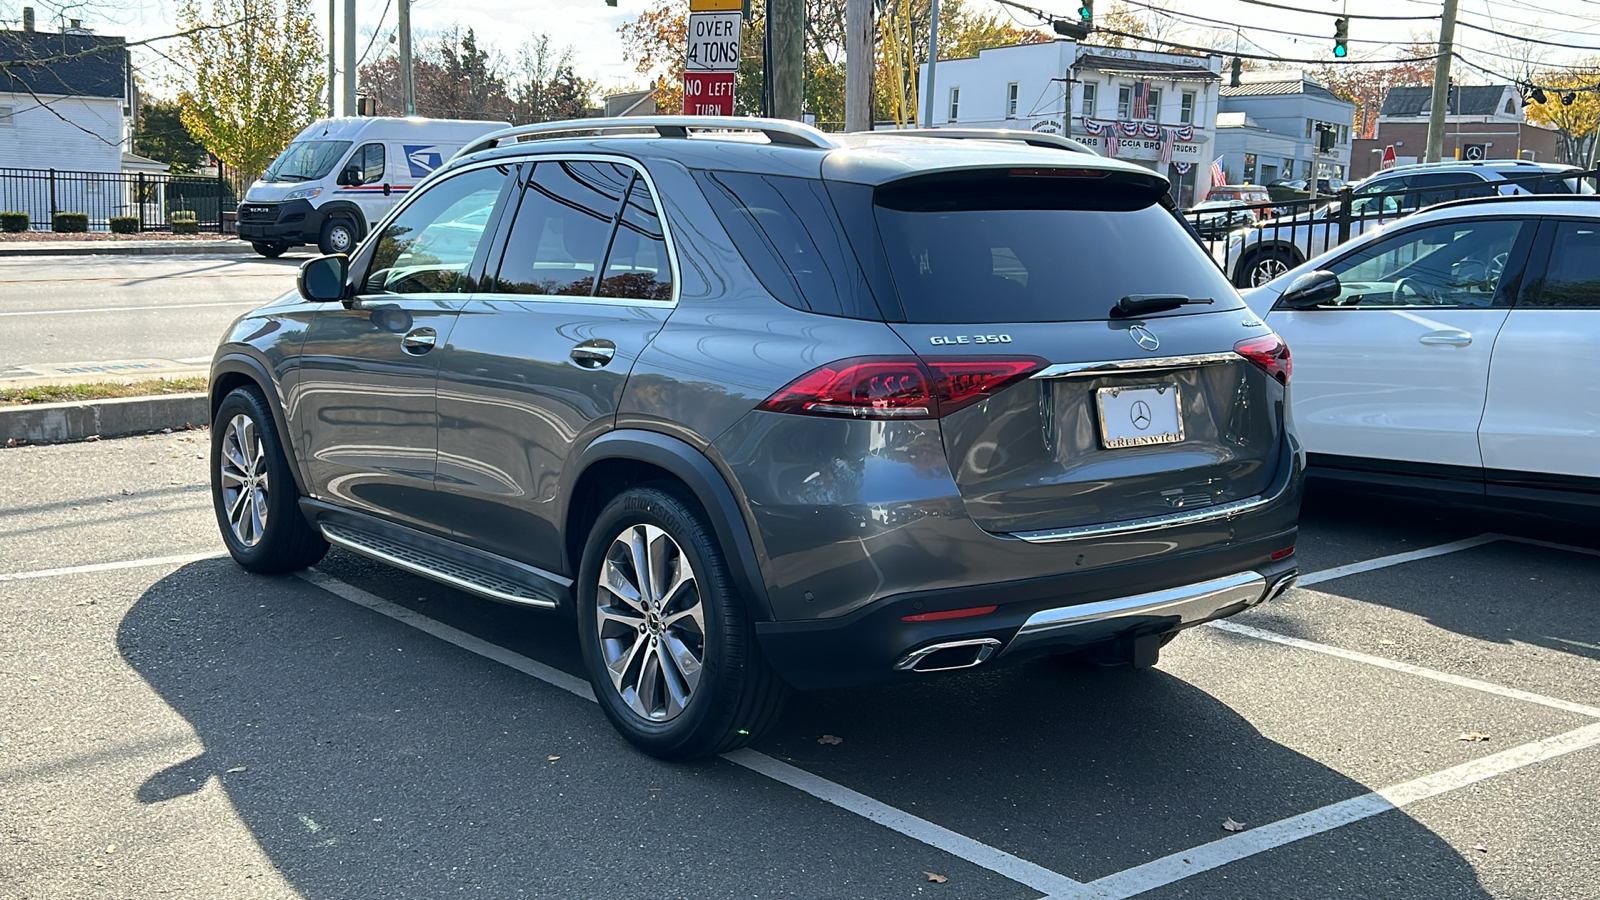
(918, 829)
(113, 566)
(1532, 542)
(1384, 562)
(1178, 866)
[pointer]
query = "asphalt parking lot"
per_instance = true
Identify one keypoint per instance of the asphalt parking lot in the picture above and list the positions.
(173, 726)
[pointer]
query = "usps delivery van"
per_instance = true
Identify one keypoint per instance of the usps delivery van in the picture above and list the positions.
(340, 176)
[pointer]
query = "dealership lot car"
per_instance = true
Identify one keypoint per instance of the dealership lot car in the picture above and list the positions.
(1457, 351)
(751, 453)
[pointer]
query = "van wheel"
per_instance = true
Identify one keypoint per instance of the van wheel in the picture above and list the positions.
(270, 251)
(669, 648)
(338, 236)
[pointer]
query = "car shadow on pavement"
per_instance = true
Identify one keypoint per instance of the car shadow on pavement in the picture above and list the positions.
(367, 759)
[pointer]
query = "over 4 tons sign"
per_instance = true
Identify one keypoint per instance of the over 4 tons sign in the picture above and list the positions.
(713, 57)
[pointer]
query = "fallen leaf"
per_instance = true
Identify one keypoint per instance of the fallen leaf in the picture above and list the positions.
(1229, 824)
(830, 740)
(936, 878)
(1473, 736)
(236, 769)
(554, 758)
(112, 848)
(1481, 848)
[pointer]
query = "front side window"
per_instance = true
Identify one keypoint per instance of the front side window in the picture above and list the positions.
(306, 161)
(559, 237)
(1011, 100)
(1572, 280)
(369, 159)
(955, 102)
(429, 246)
(1453, 264)
(1186, 110)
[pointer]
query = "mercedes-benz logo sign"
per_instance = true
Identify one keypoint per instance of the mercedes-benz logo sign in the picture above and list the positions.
(1142, 336)
(1139, 413)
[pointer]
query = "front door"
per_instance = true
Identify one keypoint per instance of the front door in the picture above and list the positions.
(536, 365)
(365, 403)
(1396, 367)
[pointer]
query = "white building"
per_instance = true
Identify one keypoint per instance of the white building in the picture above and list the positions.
(1026, 86)
(72, 108)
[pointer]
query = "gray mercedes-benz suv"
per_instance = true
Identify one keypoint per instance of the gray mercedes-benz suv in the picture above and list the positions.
(765, 407)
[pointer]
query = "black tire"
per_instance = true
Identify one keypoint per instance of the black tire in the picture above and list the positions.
(269, 250)
(283, 541)
(339, 235)
(1262, 266)
(737, 697)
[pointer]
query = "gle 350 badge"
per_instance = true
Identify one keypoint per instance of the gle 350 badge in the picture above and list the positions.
(953, 339)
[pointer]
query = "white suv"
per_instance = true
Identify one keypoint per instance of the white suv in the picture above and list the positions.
(1457, 351)
(1254, 256)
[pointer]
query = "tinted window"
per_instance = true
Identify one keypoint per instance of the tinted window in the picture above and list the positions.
(370, 161)
(430, 244)
(978, 258)
(562, 227)
(788, 232)
(637, 265)
(1441, 187)
(1456, 264)
(1573, 276)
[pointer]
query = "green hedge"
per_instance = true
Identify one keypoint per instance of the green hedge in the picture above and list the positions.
(13, 221)
(124, 224)
(183, 221)
(70, 222)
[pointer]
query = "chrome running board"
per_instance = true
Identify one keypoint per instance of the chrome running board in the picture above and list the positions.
(428, 564)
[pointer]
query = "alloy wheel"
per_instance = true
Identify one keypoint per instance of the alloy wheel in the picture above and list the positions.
(650, 622)
(242, 467)
(1266, 270)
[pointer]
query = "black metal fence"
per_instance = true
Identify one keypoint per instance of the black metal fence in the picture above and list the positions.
(152, 198)
(1255, 242)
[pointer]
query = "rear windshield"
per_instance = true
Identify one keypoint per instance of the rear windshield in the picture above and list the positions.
(1026, 255)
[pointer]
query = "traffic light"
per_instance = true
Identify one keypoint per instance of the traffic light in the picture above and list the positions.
(1538, 95)
(1081, 28)
(1086, 13)
(1567, 98)
(1341, 37)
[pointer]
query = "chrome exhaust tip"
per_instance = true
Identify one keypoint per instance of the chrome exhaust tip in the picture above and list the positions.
(1280, 587)
(948, 656)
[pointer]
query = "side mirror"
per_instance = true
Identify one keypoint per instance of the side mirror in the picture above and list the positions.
(351, 175)
(1306, 292)
(322, 280)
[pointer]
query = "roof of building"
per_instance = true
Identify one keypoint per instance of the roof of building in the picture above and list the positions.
(1275, 83)
(1465, 100)
(1155, 68)
(1236, 120)
(73, 63)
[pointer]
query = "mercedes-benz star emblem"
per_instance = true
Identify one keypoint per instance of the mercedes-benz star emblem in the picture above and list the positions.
(1142, 336)
(1140, 414)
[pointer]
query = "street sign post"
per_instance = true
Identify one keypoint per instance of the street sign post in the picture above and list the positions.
(1388, 158)
(712, 57)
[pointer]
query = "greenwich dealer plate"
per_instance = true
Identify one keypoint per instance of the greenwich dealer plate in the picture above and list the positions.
(1138, 416)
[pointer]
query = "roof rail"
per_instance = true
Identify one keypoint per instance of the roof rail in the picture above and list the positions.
(1031, 138)
(778, 131)
(1514, 198)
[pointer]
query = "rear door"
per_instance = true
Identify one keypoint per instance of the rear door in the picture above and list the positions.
(1396, 368)
(537, 363)
(1541, 426)
(1133, 416)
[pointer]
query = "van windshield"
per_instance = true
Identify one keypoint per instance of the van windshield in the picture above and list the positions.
(306, 161)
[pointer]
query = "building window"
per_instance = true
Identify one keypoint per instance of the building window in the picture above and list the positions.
(5, 115)
(1124, 101)
(1091, 98)
(955, 103)
(1344, 134)
(1155, 105)
(1011, 100)
(1288, 169)
(1186, 110)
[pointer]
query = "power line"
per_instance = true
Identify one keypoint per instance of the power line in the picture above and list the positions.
(1300, 9)
(1212, 51)
(381, 16)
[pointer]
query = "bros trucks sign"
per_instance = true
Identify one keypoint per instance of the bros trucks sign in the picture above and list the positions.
(713, 57)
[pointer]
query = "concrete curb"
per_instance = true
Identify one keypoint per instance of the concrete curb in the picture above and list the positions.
(111, 248)
(54, 423)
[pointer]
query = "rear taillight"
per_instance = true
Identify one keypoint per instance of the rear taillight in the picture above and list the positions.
(899, 387)
(1270, 353)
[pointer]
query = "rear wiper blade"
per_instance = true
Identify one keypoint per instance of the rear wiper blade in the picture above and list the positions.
(1135, 304)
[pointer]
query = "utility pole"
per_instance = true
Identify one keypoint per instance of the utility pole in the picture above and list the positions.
(333, 76)
(1441, 83)
(858, 65)
(408, 84)
(786, 21)
(349, 57)
(933, 60)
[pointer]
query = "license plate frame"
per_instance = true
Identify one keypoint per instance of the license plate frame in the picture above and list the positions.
(1121, 411)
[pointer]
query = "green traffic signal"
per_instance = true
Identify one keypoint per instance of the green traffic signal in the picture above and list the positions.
(1086, 11)
(1341, 37)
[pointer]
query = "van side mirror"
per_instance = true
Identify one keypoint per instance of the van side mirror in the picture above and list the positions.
(323, 280)
(1310, 290)
(351, 175)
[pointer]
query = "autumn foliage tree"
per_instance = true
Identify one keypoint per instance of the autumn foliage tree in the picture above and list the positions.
(457, 76)
(254, 78)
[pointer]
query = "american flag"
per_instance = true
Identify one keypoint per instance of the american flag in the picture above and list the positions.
(1217, 175)
(1113, 145)
(1168, 144)
(1141, 102)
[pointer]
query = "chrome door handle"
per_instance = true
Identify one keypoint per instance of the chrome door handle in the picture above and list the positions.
(419, 341)
(1446, 339)
(594, 354)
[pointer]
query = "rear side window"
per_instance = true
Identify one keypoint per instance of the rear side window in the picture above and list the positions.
(1572, 280)
(789, 233)
(637, 266)
(1027, 250)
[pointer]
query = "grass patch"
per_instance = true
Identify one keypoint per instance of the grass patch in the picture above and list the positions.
(66, 393)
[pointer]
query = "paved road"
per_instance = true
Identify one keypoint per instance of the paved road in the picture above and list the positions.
(177, 727)
(93, 308)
